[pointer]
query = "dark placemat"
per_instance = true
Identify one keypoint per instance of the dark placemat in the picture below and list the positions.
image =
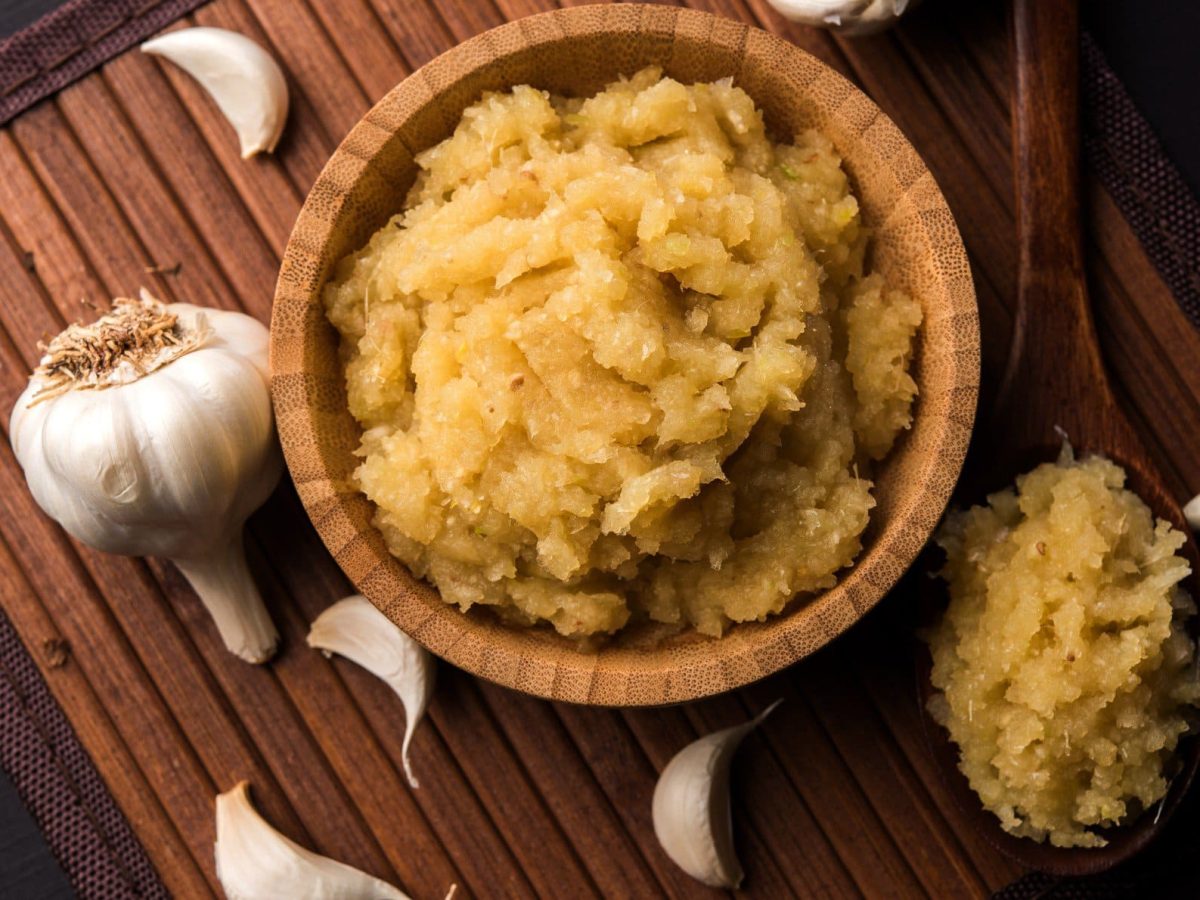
(27, 868)
(18, 14)
(73, 40)
(1150, 44)
(1124, 152)
(58, 784)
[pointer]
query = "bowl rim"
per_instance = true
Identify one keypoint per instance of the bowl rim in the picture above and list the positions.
(529, 660)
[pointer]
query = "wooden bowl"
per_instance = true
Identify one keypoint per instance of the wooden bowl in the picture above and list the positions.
(577, 51)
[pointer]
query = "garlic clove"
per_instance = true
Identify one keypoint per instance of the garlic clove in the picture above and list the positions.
(224, 585)
(1191, 512)
(256, 862)
(245, 82)
(691, 810)
(355, 629)
(849, 17)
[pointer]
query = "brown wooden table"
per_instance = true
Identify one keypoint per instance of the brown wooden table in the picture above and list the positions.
(132, 171)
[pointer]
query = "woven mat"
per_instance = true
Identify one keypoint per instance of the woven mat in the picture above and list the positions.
(76, 38)
(1125, 154)
(59, 785)
(38, 749)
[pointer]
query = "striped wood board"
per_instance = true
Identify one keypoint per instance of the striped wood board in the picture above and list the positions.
(131, 171)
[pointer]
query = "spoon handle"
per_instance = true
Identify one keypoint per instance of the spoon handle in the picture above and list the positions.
(1055, 374)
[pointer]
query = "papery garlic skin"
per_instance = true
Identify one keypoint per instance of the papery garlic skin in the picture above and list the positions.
(169, 464)
(849, 17)
(242, 78)
(256, 862)
(355, 629)
(692, 813)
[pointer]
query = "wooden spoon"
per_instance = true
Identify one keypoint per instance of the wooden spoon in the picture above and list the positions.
(1055, 382)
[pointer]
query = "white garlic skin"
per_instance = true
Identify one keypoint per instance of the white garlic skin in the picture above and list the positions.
(242, 78)
(256, 862)
(169, 464)
(850, 17)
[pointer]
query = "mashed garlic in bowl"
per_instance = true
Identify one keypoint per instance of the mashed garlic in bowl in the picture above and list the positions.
(619, 357)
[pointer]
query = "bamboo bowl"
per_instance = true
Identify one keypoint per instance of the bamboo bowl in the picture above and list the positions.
(576, 51)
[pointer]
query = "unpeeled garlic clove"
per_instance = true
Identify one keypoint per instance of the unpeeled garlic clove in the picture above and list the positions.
(222, 581)
(355, 629)
(691, 809)
(851, 17)
(256, 862)
(1191, 512)
(245, 82)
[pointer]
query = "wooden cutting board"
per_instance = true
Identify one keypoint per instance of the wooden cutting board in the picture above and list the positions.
(132, 177)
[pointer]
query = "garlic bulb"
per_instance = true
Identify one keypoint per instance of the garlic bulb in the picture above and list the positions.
(691, 809)
(851, 17)
(245, 82)
(150, 433)
(1191, 512)
(256, 862)
(355, 629)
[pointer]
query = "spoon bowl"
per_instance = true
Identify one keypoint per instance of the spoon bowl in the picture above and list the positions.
(1054, 389)
(1125, 840)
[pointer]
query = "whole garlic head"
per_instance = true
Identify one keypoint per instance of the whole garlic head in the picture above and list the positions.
(162, 447)
(850, 17)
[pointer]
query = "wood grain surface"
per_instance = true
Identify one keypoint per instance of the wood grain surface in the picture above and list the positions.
(835, 796)
(914, 245)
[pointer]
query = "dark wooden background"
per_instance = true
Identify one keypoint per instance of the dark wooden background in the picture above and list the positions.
(133, 167)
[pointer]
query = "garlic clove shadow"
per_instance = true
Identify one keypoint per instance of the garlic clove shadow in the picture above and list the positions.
(355, 629)
(256, 862)
(692, 812)
(242, 78)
